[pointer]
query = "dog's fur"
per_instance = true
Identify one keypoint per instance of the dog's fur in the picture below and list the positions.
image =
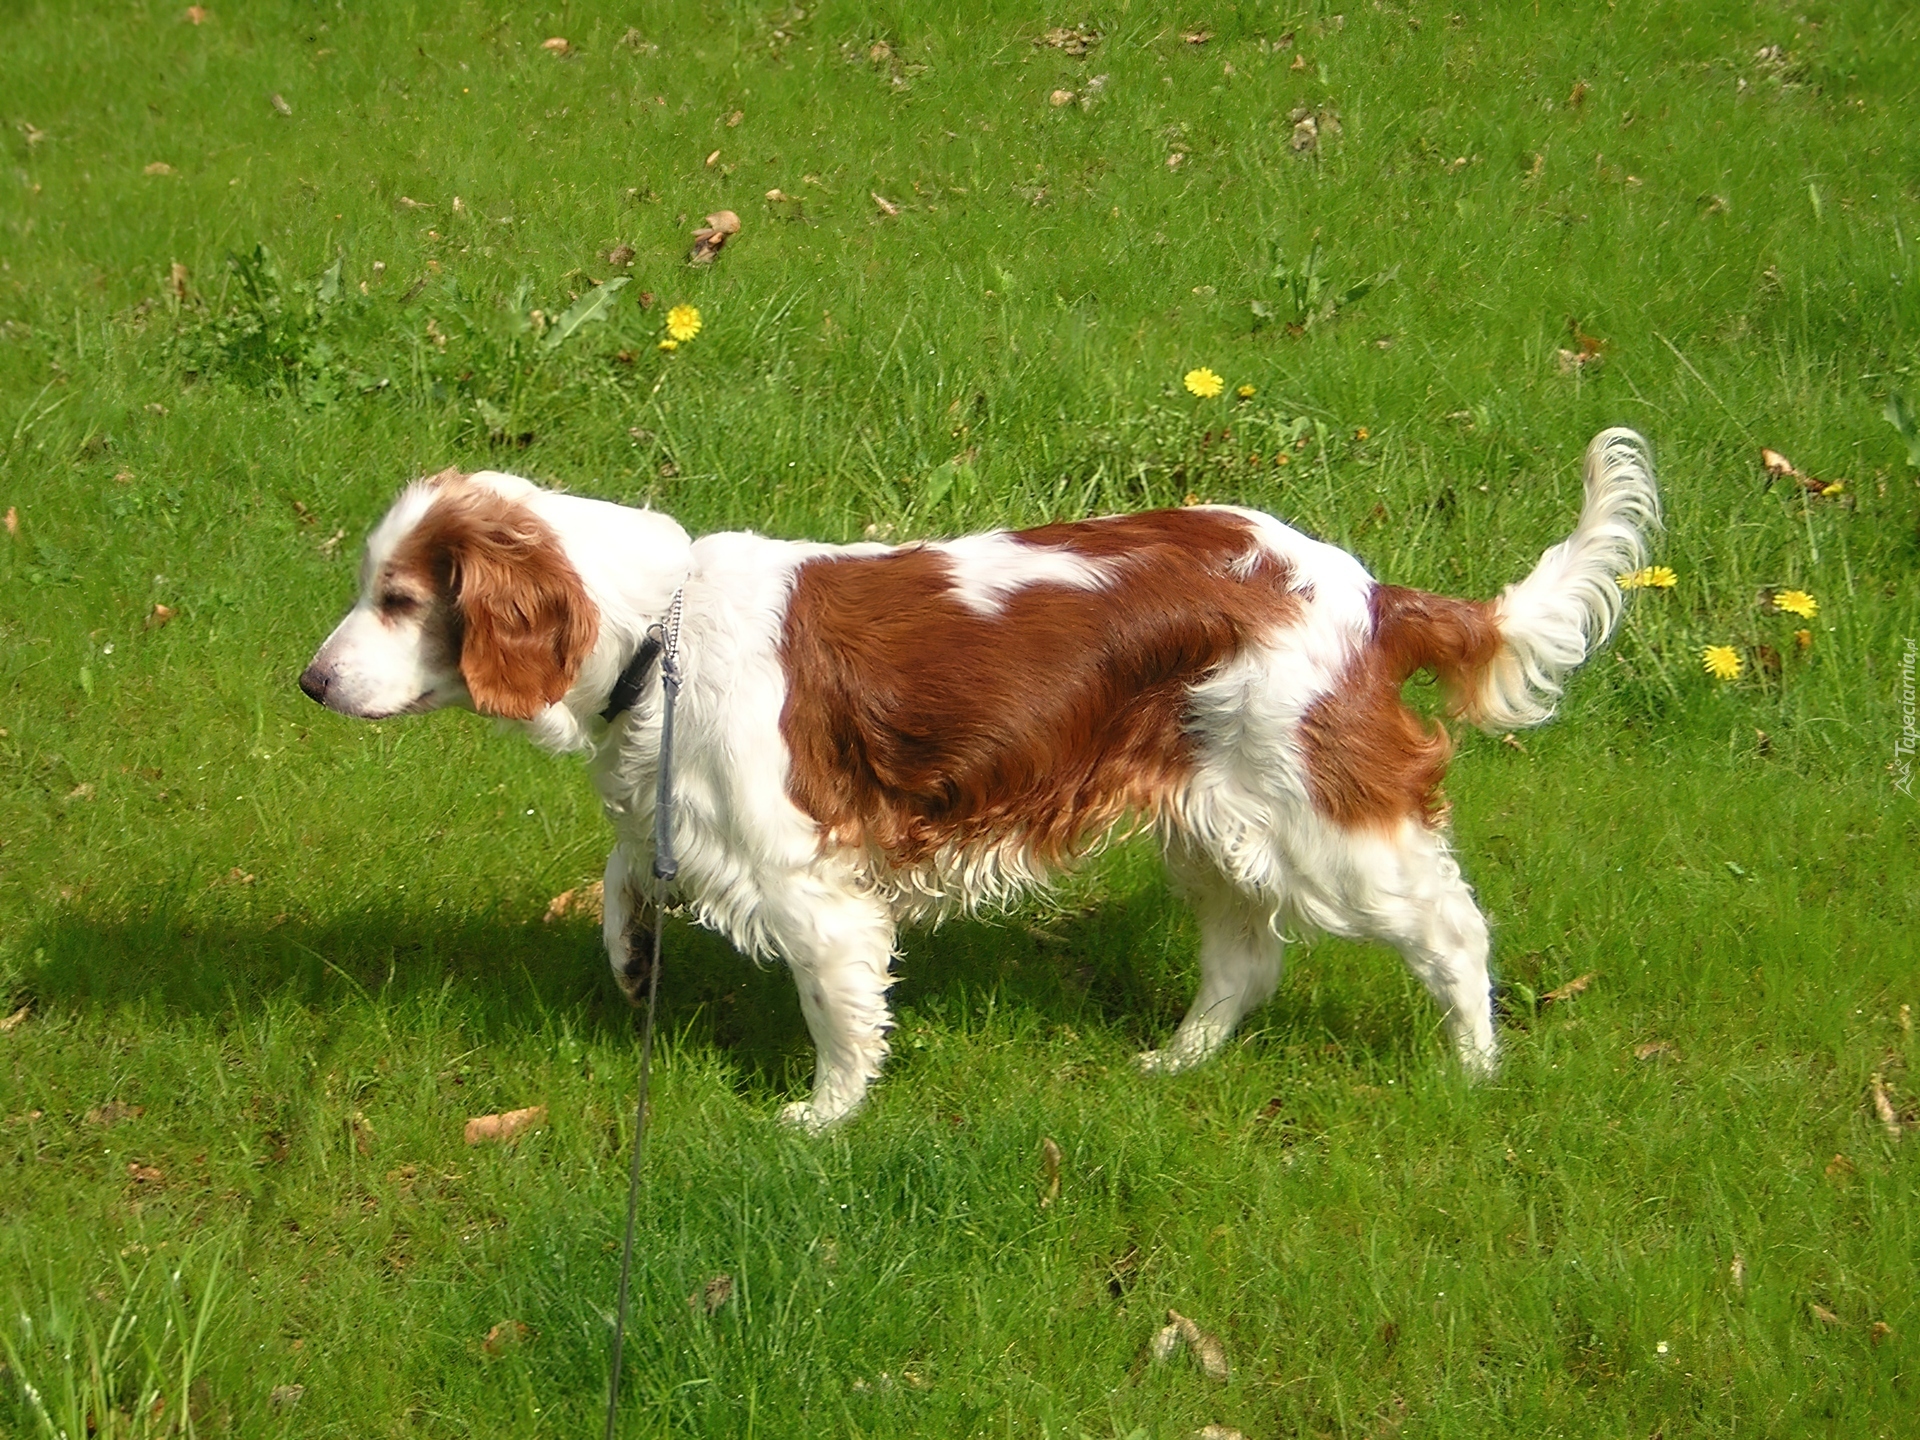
(871, 734)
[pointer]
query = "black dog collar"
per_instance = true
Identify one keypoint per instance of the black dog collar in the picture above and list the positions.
(633, 679)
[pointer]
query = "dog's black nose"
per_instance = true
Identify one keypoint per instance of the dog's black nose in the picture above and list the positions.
(313, 680)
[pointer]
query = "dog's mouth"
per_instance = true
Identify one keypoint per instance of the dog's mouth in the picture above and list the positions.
(421, 704)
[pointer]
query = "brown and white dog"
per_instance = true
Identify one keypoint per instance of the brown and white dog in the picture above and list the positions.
(872, 734)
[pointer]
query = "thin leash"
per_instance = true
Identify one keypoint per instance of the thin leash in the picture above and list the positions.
(665, 867)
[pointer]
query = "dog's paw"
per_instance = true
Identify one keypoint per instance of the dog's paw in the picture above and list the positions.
(814, 1117)
(801, 1115)
(1169, 1061)
(1481, 1065)
(636, 974)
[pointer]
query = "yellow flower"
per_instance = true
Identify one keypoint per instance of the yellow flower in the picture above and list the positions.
(1838, 487)
(1796, 602)
(683, 322)
(1204, 383)
(1803, 638)
(1361, 433)
(1723, 662)
(1246, 392)
(1653, 577)
(669, 344)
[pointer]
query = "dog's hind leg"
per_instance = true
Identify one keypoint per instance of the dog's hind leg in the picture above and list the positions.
(1405, 888)
(1240, 957)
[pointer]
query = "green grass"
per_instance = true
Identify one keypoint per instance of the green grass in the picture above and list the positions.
(310, 949)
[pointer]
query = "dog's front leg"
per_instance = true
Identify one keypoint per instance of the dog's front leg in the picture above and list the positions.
(627, 922)
(839, 945)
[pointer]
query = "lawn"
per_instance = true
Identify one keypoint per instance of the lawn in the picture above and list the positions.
(262, 264)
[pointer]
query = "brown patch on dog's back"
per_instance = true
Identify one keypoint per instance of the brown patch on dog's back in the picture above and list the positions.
(524, 620)
(917, 724)
(1371, 760)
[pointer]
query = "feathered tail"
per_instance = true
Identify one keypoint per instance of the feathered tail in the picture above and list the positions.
(1566, 609)
(1504, 661)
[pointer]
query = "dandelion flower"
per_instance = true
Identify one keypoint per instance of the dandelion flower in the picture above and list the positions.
(1246, 392)
(1653, 577)
(683, 322)
(1796, 602)
(1361, 433)
(669, 344)
(1204, 383)
(1838, 487)
(1723, 662)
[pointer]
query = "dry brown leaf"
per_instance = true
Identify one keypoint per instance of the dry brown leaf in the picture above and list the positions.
(17, 1018)
(708, 239)
(712, 1295)
(1299, 63)
(1777, 464)
(1077, 41)
(196, 15)
(145, 1174)
(1049, 1172)
(113, 1112)
(585, 900)
(177, 280)
(13, 521)
(1653, 1050)
(1822, 1313)
(1737, 1271)
(558, 44)
(1879, 1331)
(887, 207)
(1306, 135)
(1512, 742)
(1197, 37)
(620, 256)
(279, 103)
(1883, 1107)
(1060, 97)
(285, 1397)
(505, 1126)
(1207, 1349)
(1165, 1343)
(159, 167)
(1590, 346)
(1840, 1165)
(504, 1336)
(1217, 1432)
(1567, 991)
(735, 118)
(713, 159)
(362, 1132)
(1579, 95)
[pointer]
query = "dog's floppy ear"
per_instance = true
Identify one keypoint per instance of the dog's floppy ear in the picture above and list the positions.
(526, 620)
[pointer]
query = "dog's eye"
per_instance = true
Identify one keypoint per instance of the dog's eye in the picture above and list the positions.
(396, 603)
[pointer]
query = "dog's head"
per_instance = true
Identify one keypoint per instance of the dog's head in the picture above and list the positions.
(466, 598)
